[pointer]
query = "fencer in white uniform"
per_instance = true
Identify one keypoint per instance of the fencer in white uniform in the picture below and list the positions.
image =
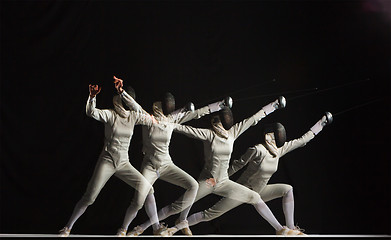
(114, 159)
(262, 162)
(157, 162)
(218, 146)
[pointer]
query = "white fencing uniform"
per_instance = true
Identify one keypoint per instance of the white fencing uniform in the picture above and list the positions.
(114, 158)
(261, 166)
(217, 153)
(157, 162)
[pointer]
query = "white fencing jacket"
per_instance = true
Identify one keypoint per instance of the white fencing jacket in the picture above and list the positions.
(119, 125)
(262, 164)
(217, 150)
(157, 137)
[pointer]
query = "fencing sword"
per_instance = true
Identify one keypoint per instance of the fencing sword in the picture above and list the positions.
(357, 106)
(310, 91)
(328, 89)
(276, 94)
(239, 90)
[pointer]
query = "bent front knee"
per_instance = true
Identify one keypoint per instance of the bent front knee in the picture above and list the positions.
(288, 191)
(192, 185)
(137, 202)
(255, 198)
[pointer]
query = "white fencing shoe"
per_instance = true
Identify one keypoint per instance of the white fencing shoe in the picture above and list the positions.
(184, 226)
(287, 231)
(135, 232)
(64, 232)
(121, 232)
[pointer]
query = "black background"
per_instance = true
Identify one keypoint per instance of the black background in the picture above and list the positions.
(200, 51)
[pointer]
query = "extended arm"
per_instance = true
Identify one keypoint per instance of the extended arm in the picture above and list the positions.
(217, 106)
(297, 143)
(302, 141)
(325, 120)
(242, 126)
(144, 119)
(188, 113)
(197, 133)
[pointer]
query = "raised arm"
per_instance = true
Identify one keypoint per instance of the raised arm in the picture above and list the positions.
(91, 110)
(297, 143)
(302, 141)
(238, 164)
(131, 103)
(188, 113)
(197, 133)
(242, 126)
(144, 118)
(128, 100)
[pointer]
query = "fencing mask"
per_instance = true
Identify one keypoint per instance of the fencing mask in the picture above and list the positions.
(279, 134)
(226, 118)
(168, 103)
(131, 92)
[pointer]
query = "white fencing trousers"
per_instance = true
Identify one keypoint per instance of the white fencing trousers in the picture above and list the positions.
(173, 174)
(268, 193)
(105, 168)
(228, 189)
